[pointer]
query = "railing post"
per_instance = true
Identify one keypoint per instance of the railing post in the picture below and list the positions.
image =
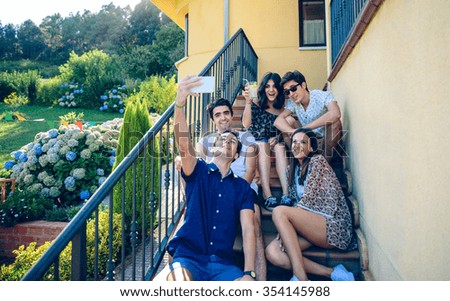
(79, 257)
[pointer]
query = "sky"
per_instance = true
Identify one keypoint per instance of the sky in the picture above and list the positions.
(18, 11)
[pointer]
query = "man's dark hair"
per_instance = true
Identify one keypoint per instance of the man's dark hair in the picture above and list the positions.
(217, 103)
(239, 147)
(295, 76)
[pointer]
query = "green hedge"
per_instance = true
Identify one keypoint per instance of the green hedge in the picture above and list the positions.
(23, 83)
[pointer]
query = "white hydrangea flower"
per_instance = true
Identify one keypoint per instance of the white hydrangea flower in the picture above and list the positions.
(72, 143)
(53, 158)
(49, 181)
(94, 147)
(63, 150)
(85, 154)
(28, 179)
(43, 161)
(78, 136)
(45, 148)
(42, 175)
(78, 173)
(54, 192)
(35, 188)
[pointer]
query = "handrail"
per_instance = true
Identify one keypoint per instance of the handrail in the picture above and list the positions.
(234, 61)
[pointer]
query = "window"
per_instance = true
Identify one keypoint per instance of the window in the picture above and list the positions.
(312, 23)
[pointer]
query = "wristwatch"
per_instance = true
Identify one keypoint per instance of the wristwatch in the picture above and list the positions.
(251, 274)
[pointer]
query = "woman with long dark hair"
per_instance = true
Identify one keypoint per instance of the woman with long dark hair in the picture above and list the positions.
(320, 215)
(258, 118)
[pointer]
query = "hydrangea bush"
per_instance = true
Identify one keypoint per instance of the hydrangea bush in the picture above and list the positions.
(66, 164)
(70, 93)
(113, 100)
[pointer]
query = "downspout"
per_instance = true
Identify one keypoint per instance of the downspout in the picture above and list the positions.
(226, 13)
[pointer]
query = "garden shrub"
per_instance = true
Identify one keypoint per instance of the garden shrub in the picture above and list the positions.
(15, 101)
(23, 206)
(136, 123)
(23, 83)
(71, 95)
(158, 92)
(114, 100)
(27, 256)
(96, 70)
(49, 91)
(65, 164)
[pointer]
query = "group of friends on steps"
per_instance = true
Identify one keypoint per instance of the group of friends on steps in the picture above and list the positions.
(302, 129)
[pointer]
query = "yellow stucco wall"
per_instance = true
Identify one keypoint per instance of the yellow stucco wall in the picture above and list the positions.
(272, 28)
(393, 91)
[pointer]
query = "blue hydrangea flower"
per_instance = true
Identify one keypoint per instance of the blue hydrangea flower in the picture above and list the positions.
(70, 156)
(85, 194)
(23, 157)
(17, 155)
(113, 152)
(8, 165)
(112, 159)
(38, 149)
(53, 133)
(121, 111)
(100, 171)
(69, 182)
(114, 91)
(104, 97)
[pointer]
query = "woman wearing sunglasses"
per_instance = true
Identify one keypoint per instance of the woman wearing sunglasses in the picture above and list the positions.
(258, 118)
(320, 215)
(315, 109)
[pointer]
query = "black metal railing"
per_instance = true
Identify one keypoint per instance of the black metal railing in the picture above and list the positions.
(136, 248)
(344, 16)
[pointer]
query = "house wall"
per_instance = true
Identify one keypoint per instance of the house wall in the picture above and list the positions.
(273, 31)
(393, 92)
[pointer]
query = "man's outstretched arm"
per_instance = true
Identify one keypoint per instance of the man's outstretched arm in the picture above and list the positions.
(182, 138)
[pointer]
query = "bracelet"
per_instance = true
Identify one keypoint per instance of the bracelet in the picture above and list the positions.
(180, 107)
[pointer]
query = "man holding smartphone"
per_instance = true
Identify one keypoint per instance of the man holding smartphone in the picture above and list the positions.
(202, 249)
(221, 113)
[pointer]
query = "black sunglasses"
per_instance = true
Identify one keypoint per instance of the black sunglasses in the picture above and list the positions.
(291, 89)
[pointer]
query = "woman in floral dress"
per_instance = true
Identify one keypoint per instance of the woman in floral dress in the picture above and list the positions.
(320, 215)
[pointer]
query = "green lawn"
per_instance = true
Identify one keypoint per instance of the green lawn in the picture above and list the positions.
(16, 134)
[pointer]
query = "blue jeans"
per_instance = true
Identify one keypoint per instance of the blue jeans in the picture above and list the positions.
(215, 269)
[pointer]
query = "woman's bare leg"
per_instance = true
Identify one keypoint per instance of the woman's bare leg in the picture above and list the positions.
(264, 168)
(281, 165)
(311, 226)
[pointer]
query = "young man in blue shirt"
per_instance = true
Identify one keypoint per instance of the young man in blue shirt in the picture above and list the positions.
(202, 249)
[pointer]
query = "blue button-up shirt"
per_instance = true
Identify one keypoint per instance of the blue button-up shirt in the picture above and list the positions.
(212, 214)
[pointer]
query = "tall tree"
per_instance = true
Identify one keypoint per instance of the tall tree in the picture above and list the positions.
(31, 40)
(145, 20)
(51, 28)
(11, 50)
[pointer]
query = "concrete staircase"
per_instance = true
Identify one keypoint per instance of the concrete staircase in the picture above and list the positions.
(355, 261)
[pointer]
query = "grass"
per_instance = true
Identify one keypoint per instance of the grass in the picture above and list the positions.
(15, 134)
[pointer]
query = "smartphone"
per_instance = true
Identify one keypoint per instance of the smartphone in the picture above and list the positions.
(207, 85)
